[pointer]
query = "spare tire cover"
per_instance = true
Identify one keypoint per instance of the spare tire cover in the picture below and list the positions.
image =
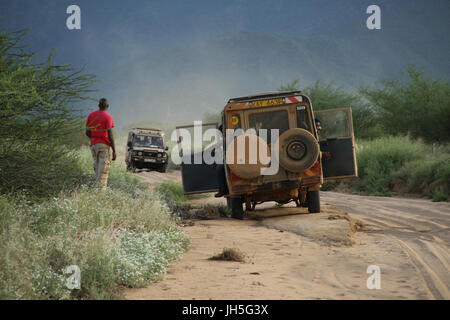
(299, 150)
(240, 164)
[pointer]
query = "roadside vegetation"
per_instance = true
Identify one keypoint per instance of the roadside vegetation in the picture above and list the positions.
(230, 254)
(121, 236)
(173, 194)
(51, 214)
(399, 165)
(403, 165)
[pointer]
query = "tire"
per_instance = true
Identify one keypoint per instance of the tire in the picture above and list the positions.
(299, 150)
(313, 201)
(131, 167)
(162, 169)
(237, 212)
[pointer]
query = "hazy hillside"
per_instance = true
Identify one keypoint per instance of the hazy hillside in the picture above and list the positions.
(168, 60)
(186, 81)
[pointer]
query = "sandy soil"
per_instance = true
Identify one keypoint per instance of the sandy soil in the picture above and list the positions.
(295, 255)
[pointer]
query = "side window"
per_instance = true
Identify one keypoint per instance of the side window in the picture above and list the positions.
(302, 118)
(335, 123)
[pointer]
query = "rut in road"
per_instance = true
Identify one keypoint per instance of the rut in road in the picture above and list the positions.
(420, 226)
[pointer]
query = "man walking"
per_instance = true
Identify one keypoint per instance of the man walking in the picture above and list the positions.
(99, 126)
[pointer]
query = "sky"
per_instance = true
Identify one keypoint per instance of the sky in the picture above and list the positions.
(109, 24)
(119, 36)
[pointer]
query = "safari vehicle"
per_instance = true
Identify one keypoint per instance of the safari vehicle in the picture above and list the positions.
(302, 164)
(146, 150)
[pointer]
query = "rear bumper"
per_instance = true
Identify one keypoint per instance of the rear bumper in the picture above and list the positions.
(243, 189)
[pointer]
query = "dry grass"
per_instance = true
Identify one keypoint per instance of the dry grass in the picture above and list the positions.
(230, 254)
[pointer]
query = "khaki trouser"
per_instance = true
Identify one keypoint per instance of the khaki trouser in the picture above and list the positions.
(101, 156)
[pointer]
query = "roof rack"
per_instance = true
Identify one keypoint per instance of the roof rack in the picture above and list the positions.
(259, 96)
(147, 129)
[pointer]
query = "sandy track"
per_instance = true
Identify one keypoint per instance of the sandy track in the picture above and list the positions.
(420, 227)
(296, 255)
(153, 178)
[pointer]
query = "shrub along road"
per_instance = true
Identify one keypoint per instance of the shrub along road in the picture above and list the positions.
(295, 255)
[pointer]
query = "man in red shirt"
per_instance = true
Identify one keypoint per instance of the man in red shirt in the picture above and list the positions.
(99, 126)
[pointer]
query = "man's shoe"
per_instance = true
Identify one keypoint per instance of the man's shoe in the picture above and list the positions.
(219, 194)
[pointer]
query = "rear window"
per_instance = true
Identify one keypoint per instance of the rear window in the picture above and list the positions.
(269, 120)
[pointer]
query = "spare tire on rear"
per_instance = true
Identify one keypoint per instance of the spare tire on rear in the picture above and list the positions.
(299, 150)
(240, 163)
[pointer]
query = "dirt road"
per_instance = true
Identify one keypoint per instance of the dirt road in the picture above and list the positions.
(295, 255)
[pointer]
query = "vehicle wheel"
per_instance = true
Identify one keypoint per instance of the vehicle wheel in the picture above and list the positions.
(237, 211)
(313, 201)
(162, 169)
(131, 167)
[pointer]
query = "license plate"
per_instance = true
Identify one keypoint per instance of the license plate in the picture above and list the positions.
(149, 160)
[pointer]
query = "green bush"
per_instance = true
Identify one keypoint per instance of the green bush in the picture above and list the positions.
(39, 170)
(430, 177)
(115, 238)
(39, 123)
(379, 159)
(172, 192)
(419, 106)
(399, 164)
(327, 95)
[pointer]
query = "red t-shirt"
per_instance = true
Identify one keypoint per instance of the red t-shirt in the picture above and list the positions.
(99, 122)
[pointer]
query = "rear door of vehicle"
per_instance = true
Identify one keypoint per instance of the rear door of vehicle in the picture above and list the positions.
(196, 177)
(336, 137)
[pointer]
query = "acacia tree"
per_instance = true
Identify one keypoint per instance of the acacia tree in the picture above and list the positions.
(418, 106)
(37, 115)
(329, 96)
